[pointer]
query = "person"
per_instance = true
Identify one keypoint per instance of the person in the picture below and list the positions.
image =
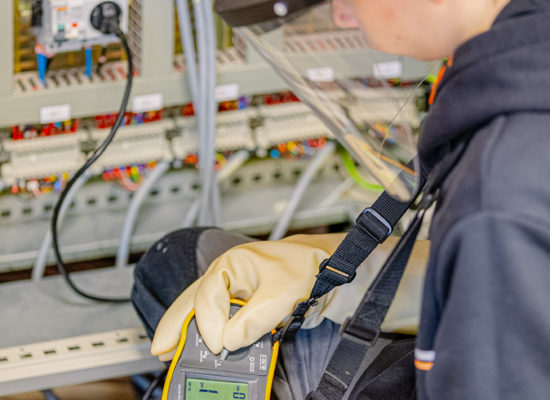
(484, 323)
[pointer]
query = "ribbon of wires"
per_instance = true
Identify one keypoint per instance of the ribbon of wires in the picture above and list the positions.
(62, 267)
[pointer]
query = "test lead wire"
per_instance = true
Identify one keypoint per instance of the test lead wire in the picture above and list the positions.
(62, 267)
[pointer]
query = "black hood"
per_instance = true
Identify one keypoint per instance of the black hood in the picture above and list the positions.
(505, 70)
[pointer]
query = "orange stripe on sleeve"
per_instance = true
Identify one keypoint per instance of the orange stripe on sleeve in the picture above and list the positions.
(423, 365)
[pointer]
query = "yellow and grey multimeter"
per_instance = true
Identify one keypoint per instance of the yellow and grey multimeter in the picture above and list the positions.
(197, 374)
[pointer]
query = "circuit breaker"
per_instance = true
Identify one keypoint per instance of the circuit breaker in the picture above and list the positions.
(71, 25)
(66, 25)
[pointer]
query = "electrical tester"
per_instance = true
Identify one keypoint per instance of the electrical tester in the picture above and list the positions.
(197, 374)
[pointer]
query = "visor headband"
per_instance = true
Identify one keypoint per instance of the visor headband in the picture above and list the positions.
(238, 13)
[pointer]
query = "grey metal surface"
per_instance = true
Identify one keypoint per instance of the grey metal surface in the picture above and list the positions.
(46, 376)
(34, 312)
(157, 45)
(50, 337)
(6, 47)
(101, 97)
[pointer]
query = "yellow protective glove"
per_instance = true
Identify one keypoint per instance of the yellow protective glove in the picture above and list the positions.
(273, 277)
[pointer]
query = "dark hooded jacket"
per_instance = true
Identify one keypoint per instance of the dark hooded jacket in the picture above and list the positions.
(485, 323)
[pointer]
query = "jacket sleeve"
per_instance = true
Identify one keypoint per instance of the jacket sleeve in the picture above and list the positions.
(492, 285)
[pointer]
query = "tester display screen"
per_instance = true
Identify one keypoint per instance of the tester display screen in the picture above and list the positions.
(206, 389)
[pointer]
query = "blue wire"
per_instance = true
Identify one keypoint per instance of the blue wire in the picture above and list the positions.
(42, 62)
(89, 61)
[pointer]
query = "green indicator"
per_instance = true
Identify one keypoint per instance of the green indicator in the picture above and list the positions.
(205, 389)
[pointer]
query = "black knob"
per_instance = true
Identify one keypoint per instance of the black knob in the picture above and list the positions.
(105, 17)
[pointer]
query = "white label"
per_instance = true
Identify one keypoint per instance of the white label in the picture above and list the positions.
(58, 113)
(263, 362)
(147, 102)
(388, 70)
(227, 92)
(321, 74)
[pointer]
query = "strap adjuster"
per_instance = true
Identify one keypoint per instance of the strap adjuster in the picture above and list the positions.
(379, 218)
(359, 333)
(335, 274)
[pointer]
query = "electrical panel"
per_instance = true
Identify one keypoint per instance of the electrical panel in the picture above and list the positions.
(60, 89)
(257, 114)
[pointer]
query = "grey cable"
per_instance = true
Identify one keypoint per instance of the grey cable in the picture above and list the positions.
(123, 252)
(234, 163)
(337, 193)
(303, 183)
(204, 218)
(199, 94)
(191, 216)
(187, 43)
(42, 258)
(212, 108)
(154, 385)
(49, 395)
(216, 204)
(202, 86)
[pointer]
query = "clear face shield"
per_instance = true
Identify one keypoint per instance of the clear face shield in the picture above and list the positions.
(318, 48)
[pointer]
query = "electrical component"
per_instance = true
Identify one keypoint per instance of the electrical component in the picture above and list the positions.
(70, 25)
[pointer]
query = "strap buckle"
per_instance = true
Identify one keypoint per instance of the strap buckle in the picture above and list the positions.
(290, 328)
(296, 320)
(378, 217)
(359, 333)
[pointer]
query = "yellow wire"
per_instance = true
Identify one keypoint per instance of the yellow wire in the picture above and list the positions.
(181, 345)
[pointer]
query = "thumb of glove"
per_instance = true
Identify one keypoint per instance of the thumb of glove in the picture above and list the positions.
(261, 314)
(168, 332)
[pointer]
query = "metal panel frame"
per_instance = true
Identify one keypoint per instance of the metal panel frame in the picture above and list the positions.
(158, 38)
(75, 360)
(6, 47)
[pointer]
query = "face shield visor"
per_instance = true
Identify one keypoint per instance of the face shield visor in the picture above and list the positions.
(318, 48)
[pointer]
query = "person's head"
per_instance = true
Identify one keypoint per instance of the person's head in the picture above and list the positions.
(425, 29)
(327, 81)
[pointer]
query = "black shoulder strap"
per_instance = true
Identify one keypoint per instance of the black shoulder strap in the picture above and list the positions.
(372, 228)
(361, 331)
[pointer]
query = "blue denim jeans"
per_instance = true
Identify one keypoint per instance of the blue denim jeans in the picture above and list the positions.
(179, 258)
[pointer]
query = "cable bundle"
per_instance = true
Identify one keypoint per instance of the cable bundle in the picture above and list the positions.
(202, 84)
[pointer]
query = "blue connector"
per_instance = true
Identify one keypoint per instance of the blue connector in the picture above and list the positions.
(42, 63)
(89, 61)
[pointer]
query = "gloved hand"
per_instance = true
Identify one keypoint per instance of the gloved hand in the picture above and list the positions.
(273, 277)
